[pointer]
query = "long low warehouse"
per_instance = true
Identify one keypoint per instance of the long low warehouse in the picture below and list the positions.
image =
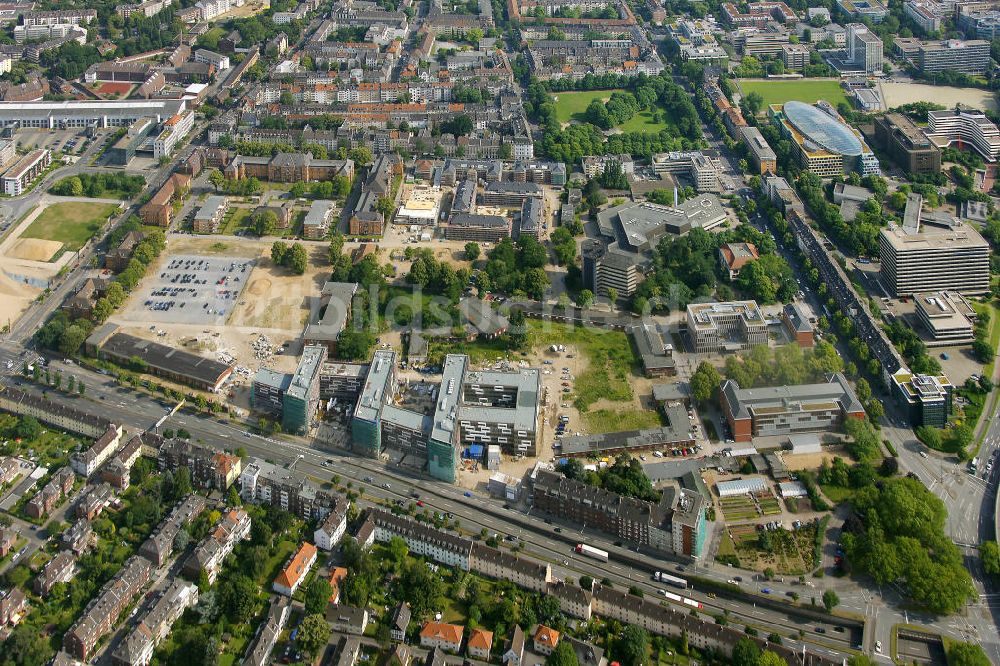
(73, 113)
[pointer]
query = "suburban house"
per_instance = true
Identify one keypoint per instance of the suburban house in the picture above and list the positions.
(292, 575)
(448, 637)
(545, 640)
(480, 644)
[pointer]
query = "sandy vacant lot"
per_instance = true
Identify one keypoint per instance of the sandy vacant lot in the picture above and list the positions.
(34, 249)
(897, 94)
(15, 297)
(274, 304)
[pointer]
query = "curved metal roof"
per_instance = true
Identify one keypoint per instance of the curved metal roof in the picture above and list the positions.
(822, 128)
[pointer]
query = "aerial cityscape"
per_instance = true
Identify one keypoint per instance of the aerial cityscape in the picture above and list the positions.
(521, 332)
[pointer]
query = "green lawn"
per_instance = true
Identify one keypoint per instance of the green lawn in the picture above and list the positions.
(611, 420)
(608, 375)
(71, 224)
(233, 220)
(802, 90)
(571, 105)
(642, 122)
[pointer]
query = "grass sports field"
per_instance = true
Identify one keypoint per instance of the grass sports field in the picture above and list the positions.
(802, 90)
(71, 224)
(571, 106)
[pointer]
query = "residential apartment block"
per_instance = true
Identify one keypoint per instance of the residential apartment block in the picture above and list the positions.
(155, 624)
(262, 482)
(160, 544)
(209, 467)
(102, 613)
(86, 462)
(295, 570)
(676, 524)
(49, 497)
(18, 177)
(208, 556)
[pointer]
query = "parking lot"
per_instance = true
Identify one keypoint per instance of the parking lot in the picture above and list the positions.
(190, 289)
(68, 141)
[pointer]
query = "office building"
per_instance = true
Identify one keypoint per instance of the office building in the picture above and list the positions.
(175, 129)
(476, 409)
(795, 56)
(927, 399)
(476, 227)
(729, 326)
(782, 410)
(798, 326)
(82, 114)
(694, 165)
(629, 233)
(217, 60)
(965, 127)
(925, 258)
(20, 175)
(301, 398)
(342, 380)
(121, 152)
(970, 57)
(947, 316)
(906, 144)
(294, 398)
(873, 10)
(864, 48)
(923, 14)
(825, 144)
(764, 158)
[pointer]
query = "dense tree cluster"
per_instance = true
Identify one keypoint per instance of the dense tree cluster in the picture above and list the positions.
(857, 238)
(517, 268)
(897, 536)
(66, 336)
(563, 246)
(686, 267)
(70, 60)
(625, 477)
(576, 140)
(293, 257)
(96, 185)
(913, 348)
(436, 277)
(783, 366)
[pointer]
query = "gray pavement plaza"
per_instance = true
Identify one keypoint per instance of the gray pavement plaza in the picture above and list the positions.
(191, 289)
